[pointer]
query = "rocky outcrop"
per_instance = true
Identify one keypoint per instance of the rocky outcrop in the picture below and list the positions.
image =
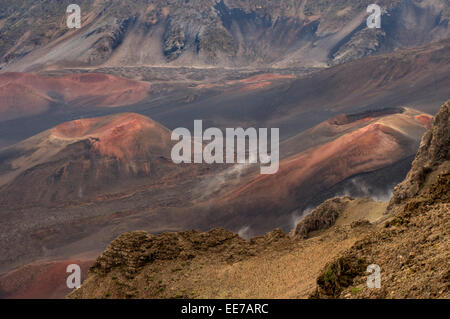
(132, 263)
(432, 158)
(321, 218)
(131, 251)
(135, 249)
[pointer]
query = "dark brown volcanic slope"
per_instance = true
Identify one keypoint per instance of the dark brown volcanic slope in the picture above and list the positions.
(24, 94)
(70, 188)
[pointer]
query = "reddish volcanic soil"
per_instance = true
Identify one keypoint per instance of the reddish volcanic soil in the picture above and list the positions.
(25, 94)
(44, 280)
(265, 77)
(256, 86)
(353, 153)
(116, 135)
(378, 144)
(248, 84)
(425, 119)
(86, 158)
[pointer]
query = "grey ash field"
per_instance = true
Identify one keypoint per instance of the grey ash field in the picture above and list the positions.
(86, 117)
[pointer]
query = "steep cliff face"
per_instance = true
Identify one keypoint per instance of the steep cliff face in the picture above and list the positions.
(212, 32)
(321, 218)
(411, 248)
(431, 163)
